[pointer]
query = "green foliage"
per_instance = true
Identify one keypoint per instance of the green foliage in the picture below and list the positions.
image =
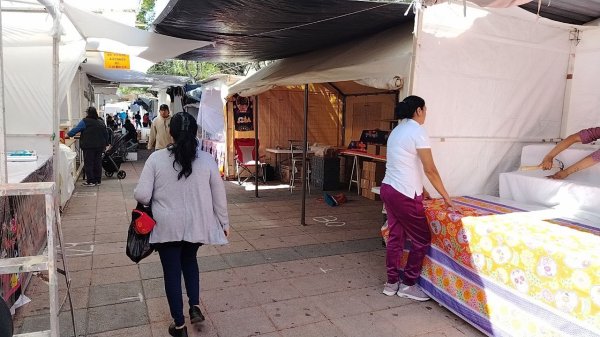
(132, 90)
(192, 69)
(146, 14)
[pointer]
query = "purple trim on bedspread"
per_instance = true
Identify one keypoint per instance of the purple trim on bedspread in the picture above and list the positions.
(525, 304)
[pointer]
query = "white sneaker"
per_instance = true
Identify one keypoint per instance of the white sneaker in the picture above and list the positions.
(391, 288)
(413, 292)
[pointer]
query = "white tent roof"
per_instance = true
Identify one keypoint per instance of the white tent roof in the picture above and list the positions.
(103, 34)
(380, 61)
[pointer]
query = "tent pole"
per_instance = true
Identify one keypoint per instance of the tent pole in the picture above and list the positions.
(256, 147)
(304, 148)
(3, 170)
(343, 120)
(413, 62)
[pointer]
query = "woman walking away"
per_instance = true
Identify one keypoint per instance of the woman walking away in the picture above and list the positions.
(189, 205)
(402, 193)
(93, 141)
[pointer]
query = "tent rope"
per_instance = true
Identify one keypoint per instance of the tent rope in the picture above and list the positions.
(319, 21)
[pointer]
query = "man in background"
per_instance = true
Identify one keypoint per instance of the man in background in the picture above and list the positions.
(159, 131)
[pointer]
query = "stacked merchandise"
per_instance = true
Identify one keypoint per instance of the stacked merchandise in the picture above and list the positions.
(372, 174)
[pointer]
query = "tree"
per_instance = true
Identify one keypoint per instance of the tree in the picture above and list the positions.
(145, 16)
(196, 70)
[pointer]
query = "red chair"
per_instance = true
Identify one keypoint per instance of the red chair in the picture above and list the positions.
(245, 158)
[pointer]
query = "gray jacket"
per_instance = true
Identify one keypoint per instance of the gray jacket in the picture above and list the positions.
(192, 209)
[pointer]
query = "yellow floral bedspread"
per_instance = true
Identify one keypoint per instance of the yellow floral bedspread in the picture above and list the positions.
(546, 266)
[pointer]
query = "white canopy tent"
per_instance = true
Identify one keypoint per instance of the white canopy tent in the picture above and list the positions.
(381, 61)
(27, 36)
(493, 80)
(511, 87)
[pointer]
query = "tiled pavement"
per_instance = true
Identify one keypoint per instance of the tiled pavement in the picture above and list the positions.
(275, 278)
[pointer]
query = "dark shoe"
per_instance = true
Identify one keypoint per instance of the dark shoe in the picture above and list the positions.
(196, 315)
(173, 331)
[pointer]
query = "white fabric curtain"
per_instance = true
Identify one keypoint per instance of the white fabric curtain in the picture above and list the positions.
(493, 81)
(584, 107)
(28, 76)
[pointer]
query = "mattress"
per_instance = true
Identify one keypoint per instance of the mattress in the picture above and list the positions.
(534, 187)
(514, 271)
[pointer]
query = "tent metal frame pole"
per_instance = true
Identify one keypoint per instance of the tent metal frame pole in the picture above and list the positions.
(3, 169)
(342, 96)
(256, 146)
(343, 120)
(413, 62)
(304, 149)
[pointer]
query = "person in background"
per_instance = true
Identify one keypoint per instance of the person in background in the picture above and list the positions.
(131, 134)
(138, 120)
(93, 141)
(159, 131)
(189, 204)
(584, 136)
(110, 122)
(402, 192)
(146, 120)
(122, 116)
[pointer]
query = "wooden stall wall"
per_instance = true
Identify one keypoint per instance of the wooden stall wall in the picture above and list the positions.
(281, 118)
(368, 112)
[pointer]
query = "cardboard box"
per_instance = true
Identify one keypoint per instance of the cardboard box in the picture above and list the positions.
(366, 183)
(383, 151)
(366, 192)
(372, 149)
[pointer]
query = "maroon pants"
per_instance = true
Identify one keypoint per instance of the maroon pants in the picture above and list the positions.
(406, 220)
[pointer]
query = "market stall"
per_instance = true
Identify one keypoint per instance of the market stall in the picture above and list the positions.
(499, 267)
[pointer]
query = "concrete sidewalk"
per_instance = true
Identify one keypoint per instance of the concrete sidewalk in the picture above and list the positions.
(275, 278)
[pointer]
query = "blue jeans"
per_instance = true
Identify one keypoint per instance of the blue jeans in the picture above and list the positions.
(178, 257)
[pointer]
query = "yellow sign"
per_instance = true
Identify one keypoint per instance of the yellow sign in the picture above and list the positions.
(116, 61)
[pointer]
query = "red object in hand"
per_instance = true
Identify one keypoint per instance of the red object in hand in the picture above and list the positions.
(62, 134)
(143, 224)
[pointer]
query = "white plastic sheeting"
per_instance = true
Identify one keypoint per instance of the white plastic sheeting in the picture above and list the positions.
(584, 108)
(28, 76)
(211, 117)
(107, 35)
(578, 192)
(379, 60)
(143, 47)
(66, 167)
(492, 80)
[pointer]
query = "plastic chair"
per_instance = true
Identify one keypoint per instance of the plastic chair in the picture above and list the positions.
(245, 158)
(296, 150)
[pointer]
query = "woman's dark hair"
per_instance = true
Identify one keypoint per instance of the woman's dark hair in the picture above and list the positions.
(127, 121)
(408, 107)
(91, 112)
(183, 129)
(164, 107)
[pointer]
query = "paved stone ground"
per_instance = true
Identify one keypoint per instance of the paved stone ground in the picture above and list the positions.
(275, 278)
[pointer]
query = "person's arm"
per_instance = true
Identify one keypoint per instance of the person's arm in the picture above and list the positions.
(219, 197)
(546, 163)
(152, 137)
(433, 175)
(145, 187)
(584, 163)
(77, 129)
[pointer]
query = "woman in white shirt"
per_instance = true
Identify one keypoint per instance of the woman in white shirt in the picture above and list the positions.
(408, 156)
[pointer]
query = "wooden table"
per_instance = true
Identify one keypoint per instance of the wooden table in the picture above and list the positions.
(356, 154)
(278, 152)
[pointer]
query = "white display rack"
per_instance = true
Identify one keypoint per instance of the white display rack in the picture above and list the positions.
(38, 262)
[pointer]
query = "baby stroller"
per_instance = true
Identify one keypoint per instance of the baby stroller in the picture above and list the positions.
(115, 156)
